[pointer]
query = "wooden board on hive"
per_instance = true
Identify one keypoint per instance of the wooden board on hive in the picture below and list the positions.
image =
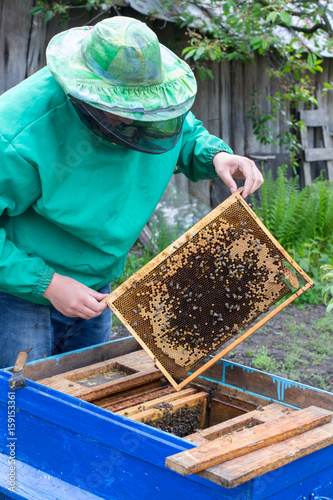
(250, 445)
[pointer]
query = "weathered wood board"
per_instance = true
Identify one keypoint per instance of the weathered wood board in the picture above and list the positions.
(316, 120)
(140, 370)
(254, 444)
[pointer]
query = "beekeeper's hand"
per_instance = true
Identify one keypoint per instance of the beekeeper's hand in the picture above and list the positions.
(229, 167)
(73, 299)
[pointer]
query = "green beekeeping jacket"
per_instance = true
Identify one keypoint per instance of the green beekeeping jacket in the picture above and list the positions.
(71, 202)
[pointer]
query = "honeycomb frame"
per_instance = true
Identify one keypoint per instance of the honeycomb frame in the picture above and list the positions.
(215, 279)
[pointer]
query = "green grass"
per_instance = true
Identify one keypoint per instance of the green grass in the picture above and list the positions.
(264, 361)
(305, 350)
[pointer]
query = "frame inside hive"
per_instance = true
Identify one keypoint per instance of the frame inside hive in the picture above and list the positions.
(212, 282)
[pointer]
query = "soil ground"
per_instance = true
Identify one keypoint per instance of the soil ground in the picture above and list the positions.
(296, 344)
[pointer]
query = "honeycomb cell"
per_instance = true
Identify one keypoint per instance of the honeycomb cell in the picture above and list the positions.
(216, 280)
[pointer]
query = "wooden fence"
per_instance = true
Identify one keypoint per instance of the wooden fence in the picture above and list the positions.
(222, 104)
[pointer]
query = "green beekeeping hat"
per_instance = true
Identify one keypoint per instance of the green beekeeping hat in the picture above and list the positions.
(119, 66)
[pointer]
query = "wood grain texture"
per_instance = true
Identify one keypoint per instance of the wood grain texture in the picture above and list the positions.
(157, 413)
(226, 448)
(258, 387)
(138, 395)
(242, 469)
(256, 417)
(318, 154)
(316, 120)
(55, 365)
(140, 368)
(169, 398)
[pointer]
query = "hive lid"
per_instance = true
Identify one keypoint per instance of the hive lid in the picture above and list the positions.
(211, 283)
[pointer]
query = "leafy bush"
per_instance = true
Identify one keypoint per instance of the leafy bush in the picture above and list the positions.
(328, 289)
(302, 221)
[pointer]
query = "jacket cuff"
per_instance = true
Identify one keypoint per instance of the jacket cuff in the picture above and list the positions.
(211, 152)
(223, 149)
(43, 282)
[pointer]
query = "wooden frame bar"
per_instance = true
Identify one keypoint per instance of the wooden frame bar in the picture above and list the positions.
(169, 251)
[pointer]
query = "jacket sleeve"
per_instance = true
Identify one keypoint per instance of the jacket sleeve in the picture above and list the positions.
(198, 150)
(20, 274)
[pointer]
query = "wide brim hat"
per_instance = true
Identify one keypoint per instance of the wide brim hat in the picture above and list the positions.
(119, 66)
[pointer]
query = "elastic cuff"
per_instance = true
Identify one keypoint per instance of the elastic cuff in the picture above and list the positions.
(223, 149)
(209, 156)
(45, 279)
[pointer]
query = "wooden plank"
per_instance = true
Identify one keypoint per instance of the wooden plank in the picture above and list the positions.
(157, 413)
(73, 388)
(314, 117)
(307, 173)
(32, 483)
(264, 385)
(242, 469)
(15, 27)
(68, 387)
(134, 361)
(163, 399)
(121, 403)
(137, 361)
(256, 417)
(245, 399)
(130, 393)
(98, 369)
(318, 154)
(226, 448)
(305, 146)
(225, 101)
(220, 411)
(314, 120)
(329, 166)
(55, 365)
(237, 119)
(121, 384)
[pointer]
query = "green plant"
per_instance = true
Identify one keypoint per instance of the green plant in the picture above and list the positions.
(310, 258)
(328, 289)
(297, 217)
(235, 30)
(66, 9)
(264, 361)
(241, 30)
(302, 221)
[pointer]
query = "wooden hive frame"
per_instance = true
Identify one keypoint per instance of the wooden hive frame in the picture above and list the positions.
(129, 287)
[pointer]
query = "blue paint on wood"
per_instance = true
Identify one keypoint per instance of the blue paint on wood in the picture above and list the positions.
(117, 459)
(226, 365)
(101, 452)
(298, 477)
(57, 357)
(255, 394)
(283, 384)
(32, 483)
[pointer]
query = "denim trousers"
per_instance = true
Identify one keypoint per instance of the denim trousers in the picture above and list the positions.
(24, 325)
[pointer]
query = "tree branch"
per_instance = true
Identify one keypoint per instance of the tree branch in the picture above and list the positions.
(313, 29)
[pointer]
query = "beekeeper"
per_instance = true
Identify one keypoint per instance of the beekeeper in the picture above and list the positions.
(88, 146)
